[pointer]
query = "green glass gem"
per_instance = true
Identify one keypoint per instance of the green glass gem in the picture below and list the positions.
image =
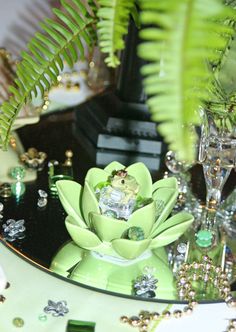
(18, 188)
(57, 172)
(135, 233)
(18, 322)
(42, 317)
(80, 326)
(204, 238)
(17, 173)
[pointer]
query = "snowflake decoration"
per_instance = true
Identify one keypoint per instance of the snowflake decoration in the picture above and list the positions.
(56, 308)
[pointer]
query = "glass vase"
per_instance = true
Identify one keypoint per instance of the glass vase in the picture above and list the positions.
(217, 154)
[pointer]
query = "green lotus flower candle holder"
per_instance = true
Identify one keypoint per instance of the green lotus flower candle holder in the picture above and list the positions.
(120, 218)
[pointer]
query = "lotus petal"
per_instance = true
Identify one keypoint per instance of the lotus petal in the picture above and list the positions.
(89, 202)
(168, 196)
(70, 193)
(95, 175)
(108, 228)
(130, 249)
(172, 229)
(144, 218)
(113, 166)
(83, 237)
(143, 177)
(165, 183)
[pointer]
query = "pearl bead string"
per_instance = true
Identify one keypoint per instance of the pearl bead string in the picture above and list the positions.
(210, 275)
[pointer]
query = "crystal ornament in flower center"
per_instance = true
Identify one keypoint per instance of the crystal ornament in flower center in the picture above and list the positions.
(118, 196)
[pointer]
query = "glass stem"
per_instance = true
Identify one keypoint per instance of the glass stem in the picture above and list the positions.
(215, 177)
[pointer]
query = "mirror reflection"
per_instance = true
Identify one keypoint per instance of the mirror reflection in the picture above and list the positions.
(127, 230)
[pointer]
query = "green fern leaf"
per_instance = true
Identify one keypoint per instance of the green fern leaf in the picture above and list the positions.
(113, 26)
(181, 36)
(40, 66)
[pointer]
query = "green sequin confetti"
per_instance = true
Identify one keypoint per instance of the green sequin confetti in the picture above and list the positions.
(18, 322)
(42, 317)
(80, 326)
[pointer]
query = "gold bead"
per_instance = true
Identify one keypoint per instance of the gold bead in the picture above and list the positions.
(233, 322)
(191, 293)
(166, 314)
(187, 285)
(223, 276)
(195, 265)
(231, 328)
(228, 298)
(177, 313)
(193, 303)
(7, 285)
(231, 303)
(143, 327)
(188, 310)
(124, 319)
(146, 319)
(155, 315)
(13, 142)
(143, 313)
(218, 269)
(134, 321)
(2, 299)
(226, 289)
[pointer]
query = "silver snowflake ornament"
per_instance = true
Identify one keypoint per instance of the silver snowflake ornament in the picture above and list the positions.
(56, 308)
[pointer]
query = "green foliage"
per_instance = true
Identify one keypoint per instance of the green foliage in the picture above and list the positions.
(187, 44)
(41, 65)
(113, 26)
(181, 34)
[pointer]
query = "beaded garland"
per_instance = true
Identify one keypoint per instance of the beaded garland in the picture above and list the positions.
(188, 274)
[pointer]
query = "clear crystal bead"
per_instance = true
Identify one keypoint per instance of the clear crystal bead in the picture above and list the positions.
(42, 202)
(181, 248)
(42, 193)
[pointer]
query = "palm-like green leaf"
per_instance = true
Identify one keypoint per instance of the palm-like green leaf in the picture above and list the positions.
(113, 25)
(181, 35)
(40, 67)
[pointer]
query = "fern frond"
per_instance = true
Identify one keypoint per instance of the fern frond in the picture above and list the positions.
(40, 66)
(113, 26)
(182, 35)
(225, 79)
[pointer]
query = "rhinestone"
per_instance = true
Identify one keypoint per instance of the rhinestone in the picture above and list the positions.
(42, 202)
(181, 248)
(1, 207)
(42, 193)
(18, 322)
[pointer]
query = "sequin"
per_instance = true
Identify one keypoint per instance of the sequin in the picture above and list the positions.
(18, 322)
